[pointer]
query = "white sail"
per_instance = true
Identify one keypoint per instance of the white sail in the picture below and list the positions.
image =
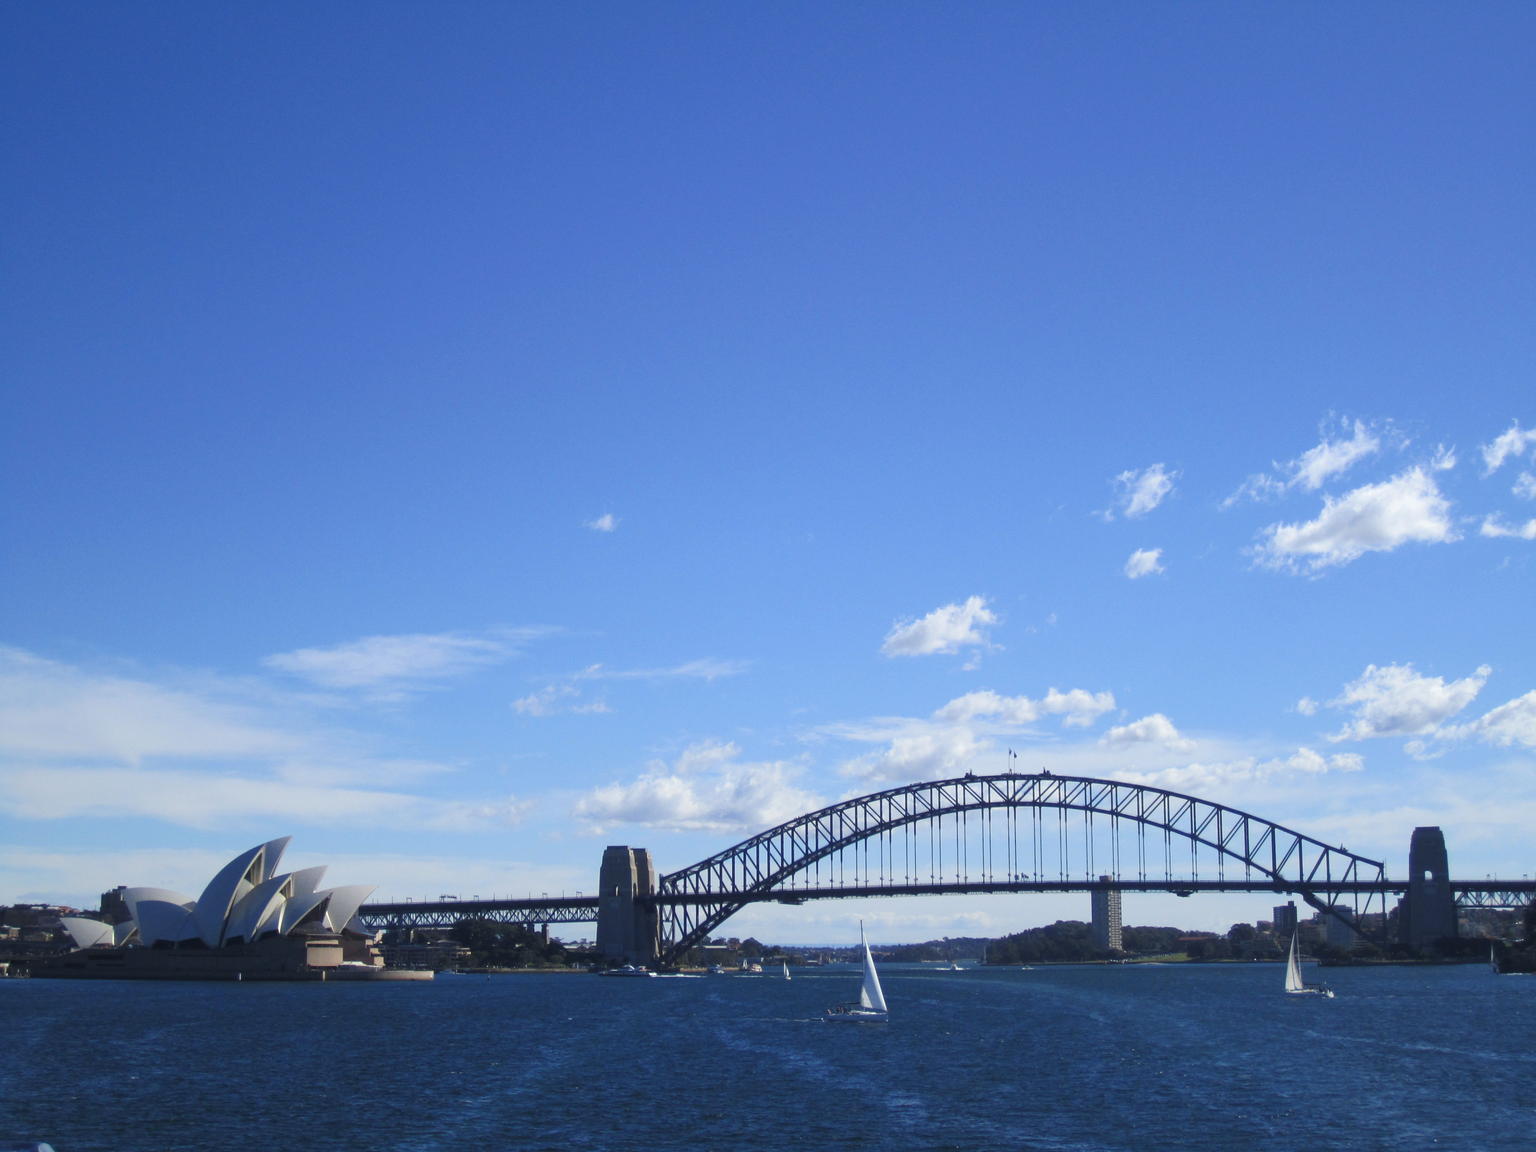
(1293, 970)
(786, 969)
(870, 994)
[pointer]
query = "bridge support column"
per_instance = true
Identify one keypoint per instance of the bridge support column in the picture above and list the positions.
(627, 926)
(1428, 911)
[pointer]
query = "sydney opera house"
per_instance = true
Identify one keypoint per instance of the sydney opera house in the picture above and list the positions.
(251, 922)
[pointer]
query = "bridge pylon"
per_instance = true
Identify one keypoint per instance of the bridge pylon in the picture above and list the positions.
(628, 929)
(1428, 910)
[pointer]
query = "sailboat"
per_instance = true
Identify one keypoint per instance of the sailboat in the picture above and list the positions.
(1293, 982)
(871, 1006)
(785, 964)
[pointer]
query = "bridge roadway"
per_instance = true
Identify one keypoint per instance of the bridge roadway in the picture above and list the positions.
(537, 910)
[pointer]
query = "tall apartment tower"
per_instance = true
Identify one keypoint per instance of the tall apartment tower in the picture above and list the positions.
(1106, 915)
(1285, 920)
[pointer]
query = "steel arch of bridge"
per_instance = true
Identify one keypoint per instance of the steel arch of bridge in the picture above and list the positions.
(691, 903)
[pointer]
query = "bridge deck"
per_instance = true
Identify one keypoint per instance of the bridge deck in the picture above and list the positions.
(1486, 893)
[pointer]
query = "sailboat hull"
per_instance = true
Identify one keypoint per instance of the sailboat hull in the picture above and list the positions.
(856, 1016)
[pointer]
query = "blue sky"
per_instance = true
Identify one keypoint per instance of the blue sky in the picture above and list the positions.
(465, 436)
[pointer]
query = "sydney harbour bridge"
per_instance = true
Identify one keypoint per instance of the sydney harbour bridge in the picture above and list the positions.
(1013, 832)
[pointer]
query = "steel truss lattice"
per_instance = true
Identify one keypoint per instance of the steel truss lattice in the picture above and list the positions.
(1172, 836)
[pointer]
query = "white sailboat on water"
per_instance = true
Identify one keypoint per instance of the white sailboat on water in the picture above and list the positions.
(785, 964)
(1294, 985)
(871, 1006)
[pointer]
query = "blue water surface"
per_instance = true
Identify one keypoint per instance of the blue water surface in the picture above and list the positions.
(1083, 1058)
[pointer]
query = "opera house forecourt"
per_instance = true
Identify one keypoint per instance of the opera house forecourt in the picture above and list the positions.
(252, 922)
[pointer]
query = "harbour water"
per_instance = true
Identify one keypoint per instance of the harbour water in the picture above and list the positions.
(1060, 1059)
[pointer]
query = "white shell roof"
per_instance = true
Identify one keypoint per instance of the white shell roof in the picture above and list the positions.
(162, 920)
(345, 902)
(247, 899)
(86, 932)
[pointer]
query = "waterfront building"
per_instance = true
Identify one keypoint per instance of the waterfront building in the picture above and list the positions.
(1285, 920)
(1339, 929)
(251, 922)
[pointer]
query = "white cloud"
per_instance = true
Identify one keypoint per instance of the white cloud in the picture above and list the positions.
(922, 753)
(564, 697)
(1204, 779)
(1141, 492)
(209, 800)
(706, 789)
(1153, 729)
(1144, 562)
(1375, 518)
(1525, 486)
(1307, 706)
(391, 662)
(76, 743)
(53, 710)
(1495, 528)
(944, 630)
(1080, 707)
(1394, 700)
(1508, 724)
(955, 738)
(558, 699)
(607, 522)
(705, 669)
(1510, 444)
(1314, 467)
(1331, 457)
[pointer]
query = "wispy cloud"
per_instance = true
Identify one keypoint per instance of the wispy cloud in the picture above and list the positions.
(607, 522)
(53, 710)
(1494, 527)
(944, 630)
(707, 788)
(1207, 779)
(213, 800)
(557, 700)
(1080, 707)
(1144, 562)
(1375, 518)
(1510, 444)
(1512, 723)
(1138, 493)
(196, 752)
(1332, 456)
(566, 696)
(705, 669)
(397, 663)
